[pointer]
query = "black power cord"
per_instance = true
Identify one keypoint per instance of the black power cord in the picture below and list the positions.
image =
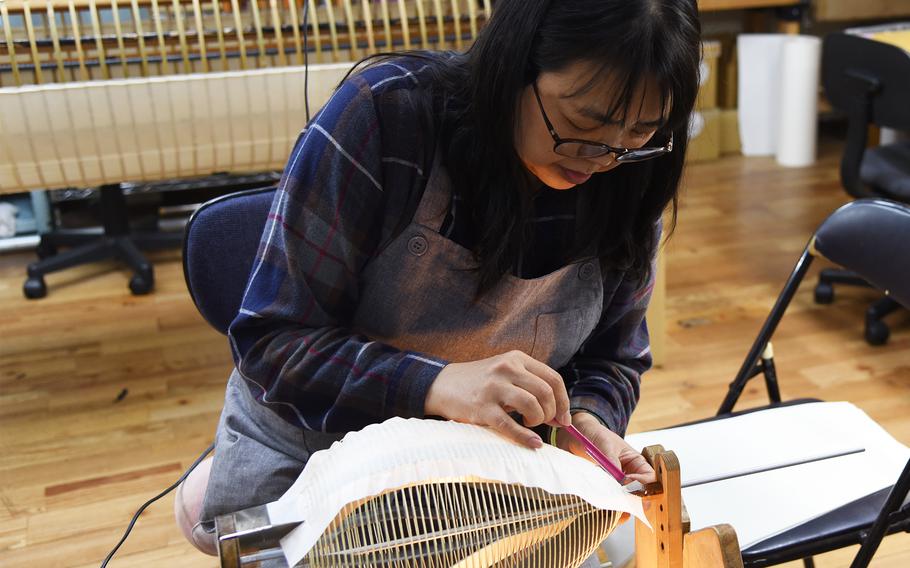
(306, 62)
(152, 500)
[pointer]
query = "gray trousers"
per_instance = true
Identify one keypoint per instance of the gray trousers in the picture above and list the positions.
(258, 456)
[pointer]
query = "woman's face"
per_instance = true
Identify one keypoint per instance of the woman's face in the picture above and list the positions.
(581, 115)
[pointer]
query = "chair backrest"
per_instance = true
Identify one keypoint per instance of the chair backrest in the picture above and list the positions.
(870, 82)
(220, 245)
(852, 64)
(872, 238)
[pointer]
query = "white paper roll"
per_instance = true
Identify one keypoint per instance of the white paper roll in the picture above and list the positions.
(798, 124)
(759, 57)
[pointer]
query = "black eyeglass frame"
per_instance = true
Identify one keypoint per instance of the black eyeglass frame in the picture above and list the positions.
(622, 154)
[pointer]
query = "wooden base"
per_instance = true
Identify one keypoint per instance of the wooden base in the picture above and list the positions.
(669, 543)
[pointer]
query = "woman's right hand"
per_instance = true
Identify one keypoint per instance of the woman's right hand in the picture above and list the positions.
(484, 392)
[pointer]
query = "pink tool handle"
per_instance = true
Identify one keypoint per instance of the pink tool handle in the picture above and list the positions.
(596, 454)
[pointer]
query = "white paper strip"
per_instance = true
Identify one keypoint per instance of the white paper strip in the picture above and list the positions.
(401, 452)
(764, 504)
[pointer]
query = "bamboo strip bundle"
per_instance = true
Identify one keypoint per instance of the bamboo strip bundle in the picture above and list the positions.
(58, 41)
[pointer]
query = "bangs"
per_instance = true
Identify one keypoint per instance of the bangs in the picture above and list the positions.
(634, 80)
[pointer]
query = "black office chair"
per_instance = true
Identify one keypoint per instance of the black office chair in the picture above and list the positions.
(871, 237)
(870, 82)
(219, 247)
(117, 239)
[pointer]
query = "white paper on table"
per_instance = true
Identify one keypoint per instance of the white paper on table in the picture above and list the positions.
(399, 452)
(764, 504)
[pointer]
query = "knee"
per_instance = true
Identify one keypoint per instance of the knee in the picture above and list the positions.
(188, 508)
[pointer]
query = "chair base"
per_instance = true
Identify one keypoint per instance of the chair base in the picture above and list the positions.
(876, 331)
(115, 241)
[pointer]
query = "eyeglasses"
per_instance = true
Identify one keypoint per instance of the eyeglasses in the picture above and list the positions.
(575, 148)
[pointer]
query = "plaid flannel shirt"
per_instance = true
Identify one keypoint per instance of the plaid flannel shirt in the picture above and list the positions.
(343, 193)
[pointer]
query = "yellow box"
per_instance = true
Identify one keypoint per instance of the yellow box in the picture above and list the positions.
(707, 92)
(729, 132)
(704, 136)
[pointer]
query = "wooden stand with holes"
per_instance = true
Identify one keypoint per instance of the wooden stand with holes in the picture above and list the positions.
(670, 544)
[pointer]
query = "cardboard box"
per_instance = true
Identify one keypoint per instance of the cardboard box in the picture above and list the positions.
(840, 10)
(704, 136)
(729, 132)
(709, 69)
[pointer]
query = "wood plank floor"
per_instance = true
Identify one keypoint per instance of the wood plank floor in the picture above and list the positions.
(78, 457)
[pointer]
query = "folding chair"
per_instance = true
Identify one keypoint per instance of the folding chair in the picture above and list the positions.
(872, 238)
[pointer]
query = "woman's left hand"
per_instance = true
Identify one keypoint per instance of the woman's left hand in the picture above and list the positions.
(632, 463)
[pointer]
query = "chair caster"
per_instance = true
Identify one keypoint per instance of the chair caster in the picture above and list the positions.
(34, 288)
(877, 332)
(824, 293)
(45, 250)
(142, 283)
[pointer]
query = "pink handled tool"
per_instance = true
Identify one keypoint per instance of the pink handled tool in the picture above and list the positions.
(596, 454)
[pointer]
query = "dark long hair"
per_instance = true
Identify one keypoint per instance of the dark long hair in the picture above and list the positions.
(476, 96)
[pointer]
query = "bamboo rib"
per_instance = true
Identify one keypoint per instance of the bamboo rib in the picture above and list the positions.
(368, 21)
(140, 36)
(405, 23)
(55, 39)
(472, 16)
(42, 17)
(200, 35)
(387, 26)
(219, 32)
(33, 153)
(128, 90)
(422, 23)
(269, 111)
(440, 25)
(10, 44)
(420, 524)
(162, 49)
(118, 31)
(313, 18)
(295, 23)
(99, 44)
(77, 36)
(333, 29)
(118, 153)
(5, 139)
(33, 46)
(181, 34)
(279, 39)
(456, 17)
(352, 29)
(241, 39)
(261, 60)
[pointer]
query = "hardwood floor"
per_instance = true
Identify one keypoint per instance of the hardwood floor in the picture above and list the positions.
(105, 398)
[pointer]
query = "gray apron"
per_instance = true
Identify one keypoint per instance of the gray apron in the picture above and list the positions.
(418, 295)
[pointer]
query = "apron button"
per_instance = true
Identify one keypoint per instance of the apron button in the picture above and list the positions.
(586, 271)
(417, 245)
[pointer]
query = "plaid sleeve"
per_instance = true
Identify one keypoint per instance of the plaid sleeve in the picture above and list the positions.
(291, 340)
(604, 377)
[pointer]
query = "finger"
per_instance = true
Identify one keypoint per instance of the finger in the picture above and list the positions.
(541, 391)
(498, 420)
(525, 403)
(634, 462)
(555, 381)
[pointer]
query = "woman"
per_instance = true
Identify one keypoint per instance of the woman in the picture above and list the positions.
(467, 236)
